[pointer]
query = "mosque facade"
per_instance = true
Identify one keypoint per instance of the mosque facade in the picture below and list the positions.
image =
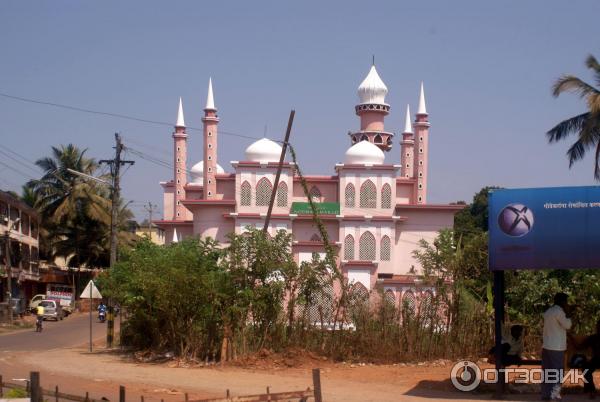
(375, 212)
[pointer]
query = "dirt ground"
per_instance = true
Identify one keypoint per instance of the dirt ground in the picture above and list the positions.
(100, 373)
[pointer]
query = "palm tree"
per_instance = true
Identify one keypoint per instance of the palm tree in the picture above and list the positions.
(586, 125)
(75, 211)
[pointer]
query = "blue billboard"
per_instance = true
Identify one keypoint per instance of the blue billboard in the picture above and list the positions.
(544, 228)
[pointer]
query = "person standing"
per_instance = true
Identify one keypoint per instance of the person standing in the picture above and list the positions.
(554, 346)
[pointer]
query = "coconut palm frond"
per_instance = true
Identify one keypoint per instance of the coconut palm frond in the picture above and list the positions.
(570, 83)
(567, 127)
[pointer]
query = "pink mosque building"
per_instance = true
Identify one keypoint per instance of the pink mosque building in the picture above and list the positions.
(375, 212)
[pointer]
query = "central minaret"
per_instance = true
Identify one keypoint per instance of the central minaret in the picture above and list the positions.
(180, 170)
(372, 110)
(211, 121)
(421, 148)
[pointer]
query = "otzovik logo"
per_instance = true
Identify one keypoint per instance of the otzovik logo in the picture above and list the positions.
(516, 220)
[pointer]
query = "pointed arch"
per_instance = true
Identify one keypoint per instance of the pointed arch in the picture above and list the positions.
(408, 305)
(378, 139)
(368, 195)
(389, 298)
(349, 248)
(366, 247)
(245, 194)
(386, 196)
(349, 196)
(364, 138)
(282, 195)
(315, 194)
(385, 249)
(263, 192)
(315, 237)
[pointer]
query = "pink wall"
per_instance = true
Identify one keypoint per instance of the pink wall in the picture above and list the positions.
(423, 224)
(209, 222)
(405, 193)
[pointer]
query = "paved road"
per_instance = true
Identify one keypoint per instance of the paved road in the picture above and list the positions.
(72, 331)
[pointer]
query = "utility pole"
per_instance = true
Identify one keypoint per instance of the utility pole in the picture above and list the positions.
(278, 175)
(150, 209)
(115, 171)
(8, 266)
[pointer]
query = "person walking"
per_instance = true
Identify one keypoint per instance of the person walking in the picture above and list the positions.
(556, 324)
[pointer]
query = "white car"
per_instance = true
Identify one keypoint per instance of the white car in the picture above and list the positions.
(52, 309)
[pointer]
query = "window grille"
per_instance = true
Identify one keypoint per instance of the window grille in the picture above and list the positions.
(349, 248)
(245, 194)
(315, 194)
(386, 196)
(263, 192)
(350, 196)
(386, 249)
(368, 195)
(366, 247)
(282, 195)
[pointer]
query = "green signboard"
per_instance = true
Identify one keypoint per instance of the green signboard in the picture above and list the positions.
(326, 208)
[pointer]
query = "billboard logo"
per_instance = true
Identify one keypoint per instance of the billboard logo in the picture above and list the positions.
(516, 220)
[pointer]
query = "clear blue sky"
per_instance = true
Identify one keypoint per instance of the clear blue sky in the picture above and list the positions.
(487, 67)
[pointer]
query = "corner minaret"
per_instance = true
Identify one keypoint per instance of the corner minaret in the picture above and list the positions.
(211, 121)
(180, 168)
(421, 126)
(372, 110)
(408, 145)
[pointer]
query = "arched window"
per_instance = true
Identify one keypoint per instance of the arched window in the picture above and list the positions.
(378, 139)
(389, 298)
(263, 192)
(408, 305)
(245, 194)
(386, 196)
(349, 248)
(282, 195)
(368, 195)
(426, 309)
(315, 194)
(359, 295)
(364, 138)
(366, 247)
(349, 196)
(385, 251)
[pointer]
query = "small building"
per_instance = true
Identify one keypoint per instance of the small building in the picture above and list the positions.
(19, 223)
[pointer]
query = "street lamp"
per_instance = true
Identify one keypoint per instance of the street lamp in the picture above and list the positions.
(9, 265)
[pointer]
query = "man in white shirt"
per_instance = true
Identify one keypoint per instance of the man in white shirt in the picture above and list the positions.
(556, 325)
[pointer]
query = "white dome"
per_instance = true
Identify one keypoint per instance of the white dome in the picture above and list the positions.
(363, 153)
(263, 151)
(372, 89)
(197, 172)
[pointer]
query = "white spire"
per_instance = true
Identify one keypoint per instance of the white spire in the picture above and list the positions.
(180, 119)
(210, 100)
(175, 239)
(408, 124)
(372, 89)
(422, 109)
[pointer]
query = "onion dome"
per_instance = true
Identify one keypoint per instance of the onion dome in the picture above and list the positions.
(197, 172)
(263, 151)
(372, 89)
(363, 153)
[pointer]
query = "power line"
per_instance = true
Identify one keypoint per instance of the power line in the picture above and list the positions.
(18, 161)
(117, 115)
(17, 171)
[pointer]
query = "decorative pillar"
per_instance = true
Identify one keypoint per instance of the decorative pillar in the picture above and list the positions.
(180, 168)
(408, 145)
(211, 121)
(421, 146)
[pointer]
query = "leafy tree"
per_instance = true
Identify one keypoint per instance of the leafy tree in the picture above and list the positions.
(585, 126)
(75, 211)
